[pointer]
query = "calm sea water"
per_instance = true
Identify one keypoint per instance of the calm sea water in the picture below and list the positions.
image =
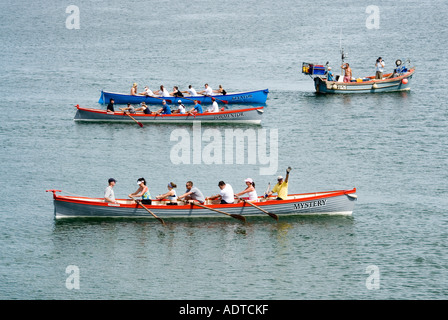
(391, 147)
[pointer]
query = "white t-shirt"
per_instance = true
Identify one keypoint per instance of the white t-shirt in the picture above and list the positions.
(181, 108)
(208, 91)
(149, 92)
(227, 194)
(109, 193)
(214, 107)
(164, 93)
(192, 92)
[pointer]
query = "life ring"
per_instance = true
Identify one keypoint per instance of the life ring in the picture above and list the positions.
(398, 62)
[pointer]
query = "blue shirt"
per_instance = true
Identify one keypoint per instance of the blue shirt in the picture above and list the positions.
(198, 108)
(166, 109)
(330, 76)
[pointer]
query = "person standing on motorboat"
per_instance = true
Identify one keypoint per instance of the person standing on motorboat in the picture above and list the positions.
(379, 68)
(330, 76)
(348, 72)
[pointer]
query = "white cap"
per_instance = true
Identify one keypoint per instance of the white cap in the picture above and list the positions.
(329, 68)
(279, 178)
(179, 101)
(249, 180)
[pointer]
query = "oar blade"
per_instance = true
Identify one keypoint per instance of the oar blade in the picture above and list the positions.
(273, 215)
(238, 216)
(152, 213)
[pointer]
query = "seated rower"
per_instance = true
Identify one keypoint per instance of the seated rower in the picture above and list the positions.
(207, 91)
(170, 195)
(144, 108)
(181, 108)
(162, 92)
(214, 107)
(142, 191)
(250, 190)
(197, 108)
(165, 108)
(128, 109)
(134, 89)
(148, 92)
(176, 92)
(191, 91)
(220, 90)
(226, 194)
(192, 193)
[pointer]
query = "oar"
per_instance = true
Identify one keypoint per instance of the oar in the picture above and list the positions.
(139, 123)
(236, 216)
(161, 98)
(267, 190)
(272, 215)
(141, 204)
(191, 99)
(223, 101)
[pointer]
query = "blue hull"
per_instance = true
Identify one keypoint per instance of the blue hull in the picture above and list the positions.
(253, 97)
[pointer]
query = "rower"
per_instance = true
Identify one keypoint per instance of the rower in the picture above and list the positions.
(134, 89)
(165, 108)
(197, 108)
(214, 107)
(226, 194)
(250, 190)
(142, 191)
(192, 193)
(207, 91)
(170, 195)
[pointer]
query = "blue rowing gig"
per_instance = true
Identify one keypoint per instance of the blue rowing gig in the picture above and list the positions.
(339, 202)
(253, 97)
(398, 80)
(245, 116)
